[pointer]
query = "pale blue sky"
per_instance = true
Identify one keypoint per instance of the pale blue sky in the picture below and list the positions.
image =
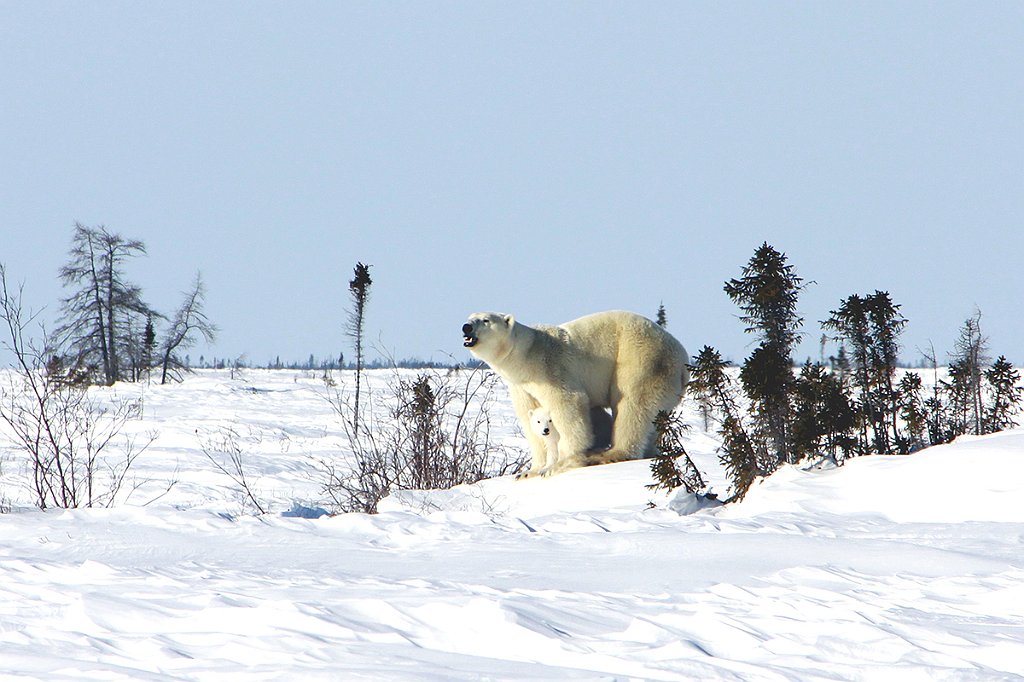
(547, 159)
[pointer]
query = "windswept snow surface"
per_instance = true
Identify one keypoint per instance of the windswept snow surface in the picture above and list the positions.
(901, 568)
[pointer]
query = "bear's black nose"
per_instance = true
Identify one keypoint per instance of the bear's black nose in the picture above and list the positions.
(467, 329)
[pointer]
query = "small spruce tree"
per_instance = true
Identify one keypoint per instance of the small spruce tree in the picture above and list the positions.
(740, 454)
(767, 293)
(958, 390)
(661, 319)
(913, 413)
(823, 418)
(148, 347)
(871, 325)
(424, 418)
(359, 289)
(665, 466)
(1006, 395)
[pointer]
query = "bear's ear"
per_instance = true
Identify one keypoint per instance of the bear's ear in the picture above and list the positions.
(509, 320)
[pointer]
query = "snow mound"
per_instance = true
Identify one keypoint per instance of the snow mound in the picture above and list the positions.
(976, 478)
(620, 487)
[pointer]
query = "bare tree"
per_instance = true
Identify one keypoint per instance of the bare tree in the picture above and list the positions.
(101, 302)
(189, 321)
(67, 436)
(970, 358)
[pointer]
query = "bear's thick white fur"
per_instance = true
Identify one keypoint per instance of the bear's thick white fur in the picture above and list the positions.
(617, 360)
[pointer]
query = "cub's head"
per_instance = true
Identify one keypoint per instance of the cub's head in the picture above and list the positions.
(540, 422)
(488, 335)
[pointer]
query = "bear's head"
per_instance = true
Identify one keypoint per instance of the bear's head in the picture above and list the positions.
(488, 336)
(540, 422)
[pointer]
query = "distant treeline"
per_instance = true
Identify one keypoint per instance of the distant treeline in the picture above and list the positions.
(313, 363)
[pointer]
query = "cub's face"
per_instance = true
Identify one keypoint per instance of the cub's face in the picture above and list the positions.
(488, 335)
(540, 422)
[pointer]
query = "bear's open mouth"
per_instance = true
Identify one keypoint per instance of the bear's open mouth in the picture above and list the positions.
(469, 341)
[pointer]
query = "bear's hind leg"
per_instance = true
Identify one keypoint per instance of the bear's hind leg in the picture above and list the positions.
(632, 434)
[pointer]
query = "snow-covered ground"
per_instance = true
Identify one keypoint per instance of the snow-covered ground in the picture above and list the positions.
(890, 568)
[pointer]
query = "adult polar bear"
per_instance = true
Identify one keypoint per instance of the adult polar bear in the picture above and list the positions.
(614, 359)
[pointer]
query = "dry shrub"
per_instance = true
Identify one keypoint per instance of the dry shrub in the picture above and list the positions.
(435, 433)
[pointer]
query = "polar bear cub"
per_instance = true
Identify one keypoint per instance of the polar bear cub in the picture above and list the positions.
(544, 428)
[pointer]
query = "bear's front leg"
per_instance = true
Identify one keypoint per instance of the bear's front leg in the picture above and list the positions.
(571, 416)
(522, 403)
